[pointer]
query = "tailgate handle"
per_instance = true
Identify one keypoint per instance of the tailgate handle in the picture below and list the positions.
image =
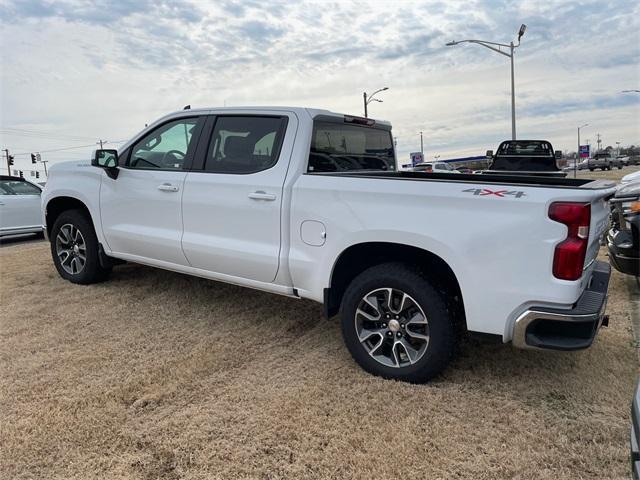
(260, 195)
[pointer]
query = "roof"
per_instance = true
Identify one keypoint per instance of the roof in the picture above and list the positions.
(13, 178)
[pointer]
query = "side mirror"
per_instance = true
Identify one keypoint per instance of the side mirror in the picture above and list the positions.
(107, 159)
(489, 153)
(558, 154)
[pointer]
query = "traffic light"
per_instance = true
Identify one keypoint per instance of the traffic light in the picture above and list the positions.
(37, 174)
(10, 160)
(21, 174)
(33, 158)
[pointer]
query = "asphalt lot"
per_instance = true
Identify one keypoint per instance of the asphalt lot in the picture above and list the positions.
(159, 375)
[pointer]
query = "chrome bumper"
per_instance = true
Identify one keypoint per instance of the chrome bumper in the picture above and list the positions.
(574, 329)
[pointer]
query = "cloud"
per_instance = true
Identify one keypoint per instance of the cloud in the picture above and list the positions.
(135, 60)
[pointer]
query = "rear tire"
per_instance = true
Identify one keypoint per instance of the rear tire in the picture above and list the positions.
(74, 249)
(396, 325)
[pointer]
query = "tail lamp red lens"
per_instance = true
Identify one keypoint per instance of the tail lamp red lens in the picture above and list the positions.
(568, 259)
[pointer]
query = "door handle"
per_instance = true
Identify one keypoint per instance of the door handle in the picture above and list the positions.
(260, 195)
(167, 187)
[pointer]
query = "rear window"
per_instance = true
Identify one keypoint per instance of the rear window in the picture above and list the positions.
(525, 148)
(337, 147)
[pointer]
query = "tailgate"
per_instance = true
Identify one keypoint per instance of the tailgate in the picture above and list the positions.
(599, 222)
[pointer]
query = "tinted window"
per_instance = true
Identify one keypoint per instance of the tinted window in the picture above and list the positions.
(525, 148)
(245, 144)
(16, 187)
(339, 147)
(164, 148)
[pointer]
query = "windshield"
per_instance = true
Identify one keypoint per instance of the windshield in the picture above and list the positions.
(338, 147)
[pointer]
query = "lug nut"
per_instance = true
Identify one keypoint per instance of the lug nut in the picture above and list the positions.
(399, 334)
(384, 325)
(389, 334)
(402, 325)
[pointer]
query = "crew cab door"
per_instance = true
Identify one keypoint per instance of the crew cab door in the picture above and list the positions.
(141, 209)
(232, 201)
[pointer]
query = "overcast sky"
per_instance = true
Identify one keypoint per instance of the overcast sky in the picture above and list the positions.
(76, 71)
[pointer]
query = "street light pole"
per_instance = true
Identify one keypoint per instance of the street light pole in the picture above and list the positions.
(421, 145)
(369, 98)
(575, 163)
(497, 47)
(513, 96)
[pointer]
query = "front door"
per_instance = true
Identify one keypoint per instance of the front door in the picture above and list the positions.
(141, 210)
(231, 208)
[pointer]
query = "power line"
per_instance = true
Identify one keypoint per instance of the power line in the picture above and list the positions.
(57, 149)
(40, 133)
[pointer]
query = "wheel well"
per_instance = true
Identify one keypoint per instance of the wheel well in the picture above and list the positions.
(60, 204)
(357, 258)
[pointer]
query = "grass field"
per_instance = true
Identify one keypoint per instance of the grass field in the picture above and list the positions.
(159, 375)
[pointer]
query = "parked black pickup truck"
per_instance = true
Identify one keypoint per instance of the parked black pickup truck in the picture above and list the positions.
(623, 238)
(525, 157)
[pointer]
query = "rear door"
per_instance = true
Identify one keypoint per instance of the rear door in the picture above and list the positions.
(232, 201)
(141, 210)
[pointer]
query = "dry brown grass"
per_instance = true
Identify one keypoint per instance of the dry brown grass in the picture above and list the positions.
(160, 375)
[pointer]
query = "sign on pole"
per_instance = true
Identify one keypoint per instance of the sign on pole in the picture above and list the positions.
(584, 151)
(416, 158)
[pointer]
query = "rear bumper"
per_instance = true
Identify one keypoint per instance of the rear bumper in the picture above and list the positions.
(574, 329)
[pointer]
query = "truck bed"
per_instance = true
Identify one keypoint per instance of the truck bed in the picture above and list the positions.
(493, 179)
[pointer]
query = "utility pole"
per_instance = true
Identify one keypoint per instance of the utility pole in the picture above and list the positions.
(100, 142)
(575, 163)
(599, 142)
(9, 161)
(364, 95)
(421, 145)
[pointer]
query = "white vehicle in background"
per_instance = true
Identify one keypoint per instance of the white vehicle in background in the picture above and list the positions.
(631, 177)
(434, 167)
(20, 210)
(624, 160)
(308, 203)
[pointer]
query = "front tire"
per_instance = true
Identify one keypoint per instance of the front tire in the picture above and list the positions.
(396, 325)
(74, 249)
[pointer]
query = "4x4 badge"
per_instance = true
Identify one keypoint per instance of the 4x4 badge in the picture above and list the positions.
(498, 193)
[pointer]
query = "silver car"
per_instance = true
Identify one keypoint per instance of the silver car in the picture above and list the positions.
(20, 210)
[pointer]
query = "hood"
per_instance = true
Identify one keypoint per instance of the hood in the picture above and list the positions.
(632, 177)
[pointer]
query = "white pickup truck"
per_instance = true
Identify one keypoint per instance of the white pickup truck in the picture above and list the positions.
(308, 203)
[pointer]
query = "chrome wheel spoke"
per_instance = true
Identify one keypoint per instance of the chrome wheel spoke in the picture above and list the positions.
(64, 253)
(411, 353)
(371, 318)
(366, 333)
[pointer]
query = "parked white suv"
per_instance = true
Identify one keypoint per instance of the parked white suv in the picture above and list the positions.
(308, 203)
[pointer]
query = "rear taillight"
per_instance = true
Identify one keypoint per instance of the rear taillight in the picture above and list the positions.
(568, 260)
(429, 170)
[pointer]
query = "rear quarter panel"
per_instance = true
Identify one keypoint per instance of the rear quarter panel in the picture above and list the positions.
(500, 246)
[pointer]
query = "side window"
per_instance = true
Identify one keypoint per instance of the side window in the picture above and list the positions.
(245, 144)
(165, 148)
(17, 187)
